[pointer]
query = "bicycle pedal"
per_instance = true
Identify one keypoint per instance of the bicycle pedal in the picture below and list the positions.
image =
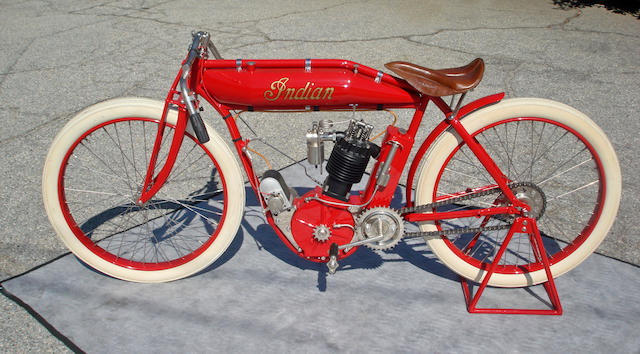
(333, 259)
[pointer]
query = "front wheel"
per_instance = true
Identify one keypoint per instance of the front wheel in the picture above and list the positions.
(558, 161)
(93, 176)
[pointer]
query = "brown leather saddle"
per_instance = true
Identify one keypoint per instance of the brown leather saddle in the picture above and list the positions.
(441, 82)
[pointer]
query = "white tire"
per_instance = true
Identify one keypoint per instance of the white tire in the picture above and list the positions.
(91, 179)
(573, 179)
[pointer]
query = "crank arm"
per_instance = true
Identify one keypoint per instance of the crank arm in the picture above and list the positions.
(361, 242)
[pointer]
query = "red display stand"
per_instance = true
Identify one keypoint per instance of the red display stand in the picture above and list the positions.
(523, 225)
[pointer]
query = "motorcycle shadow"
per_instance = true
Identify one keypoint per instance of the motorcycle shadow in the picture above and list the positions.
(254, 223)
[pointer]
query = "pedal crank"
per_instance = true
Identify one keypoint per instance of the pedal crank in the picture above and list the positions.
(361, 242)
(333, 258)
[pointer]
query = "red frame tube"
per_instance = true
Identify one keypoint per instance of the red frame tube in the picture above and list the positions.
(487, 162)
(442, 215)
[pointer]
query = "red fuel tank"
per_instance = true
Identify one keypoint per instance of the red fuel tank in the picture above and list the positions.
(291, 84)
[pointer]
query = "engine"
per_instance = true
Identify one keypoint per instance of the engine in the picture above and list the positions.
(349, 158)
(311, 225)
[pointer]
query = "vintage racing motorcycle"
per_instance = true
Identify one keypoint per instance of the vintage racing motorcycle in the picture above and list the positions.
(145, 191)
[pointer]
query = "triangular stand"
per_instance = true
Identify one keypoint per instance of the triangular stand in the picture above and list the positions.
(529, 226)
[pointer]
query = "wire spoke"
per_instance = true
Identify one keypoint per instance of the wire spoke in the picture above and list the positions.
(167, 228)
(550, 177)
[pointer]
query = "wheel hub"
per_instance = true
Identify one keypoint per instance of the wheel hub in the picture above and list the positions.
(530, 194)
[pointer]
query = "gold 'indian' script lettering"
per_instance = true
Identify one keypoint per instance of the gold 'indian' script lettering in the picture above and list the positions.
(279, 90)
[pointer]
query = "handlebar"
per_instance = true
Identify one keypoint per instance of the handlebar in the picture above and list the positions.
(198, 49)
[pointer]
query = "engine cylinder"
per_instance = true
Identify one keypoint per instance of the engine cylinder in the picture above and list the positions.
(346, 166)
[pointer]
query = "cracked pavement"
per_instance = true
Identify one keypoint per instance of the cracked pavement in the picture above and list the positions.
(58, 57)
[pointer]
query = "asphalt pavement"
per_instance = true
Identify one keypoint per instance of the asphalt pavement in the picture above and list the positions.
(58, 57)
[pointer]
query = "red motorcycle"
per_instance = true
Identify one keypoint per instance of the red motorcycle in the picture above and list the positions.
(512, 192)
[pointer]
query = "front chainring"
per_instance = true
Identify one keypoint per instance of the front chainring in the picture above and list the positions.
(383, 223)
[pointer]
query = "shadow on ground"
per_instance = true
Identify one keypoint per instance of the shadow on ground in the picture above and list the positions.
(631, 7)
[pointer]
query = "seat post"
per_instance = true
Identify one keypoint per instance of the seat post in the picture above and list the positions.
(454, 111)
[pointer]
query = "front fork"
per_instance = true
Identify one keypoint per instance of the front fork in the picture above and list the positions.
(186, 110)
(153, 184)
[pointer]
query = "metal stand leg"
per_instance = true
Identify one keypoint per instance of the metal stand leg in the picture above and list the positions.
(527, 225)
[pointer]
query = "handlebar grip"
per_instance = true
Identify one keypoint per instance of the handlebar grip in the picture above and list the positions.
(199, 128)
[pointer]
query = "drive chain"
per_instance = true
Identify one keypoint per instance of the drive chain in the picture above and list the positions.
(430, 206)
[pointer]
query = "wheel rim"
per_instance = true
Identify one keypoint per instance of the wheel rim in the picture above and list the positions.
(100, 179)
(557, 160)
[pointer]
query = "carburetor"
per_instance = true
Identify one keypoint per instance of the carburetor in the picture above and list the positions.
(316, 136)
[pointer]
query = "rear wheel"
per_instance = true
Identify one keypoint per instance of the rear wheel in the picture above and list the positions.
(94, 174)
(560, 163)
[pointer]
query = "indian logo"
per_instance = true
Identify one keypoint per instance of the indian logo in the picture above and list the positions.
(279, 89)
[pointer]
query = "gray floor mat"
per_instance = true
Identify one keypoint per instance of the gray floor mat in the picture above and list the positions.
(259, 297)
